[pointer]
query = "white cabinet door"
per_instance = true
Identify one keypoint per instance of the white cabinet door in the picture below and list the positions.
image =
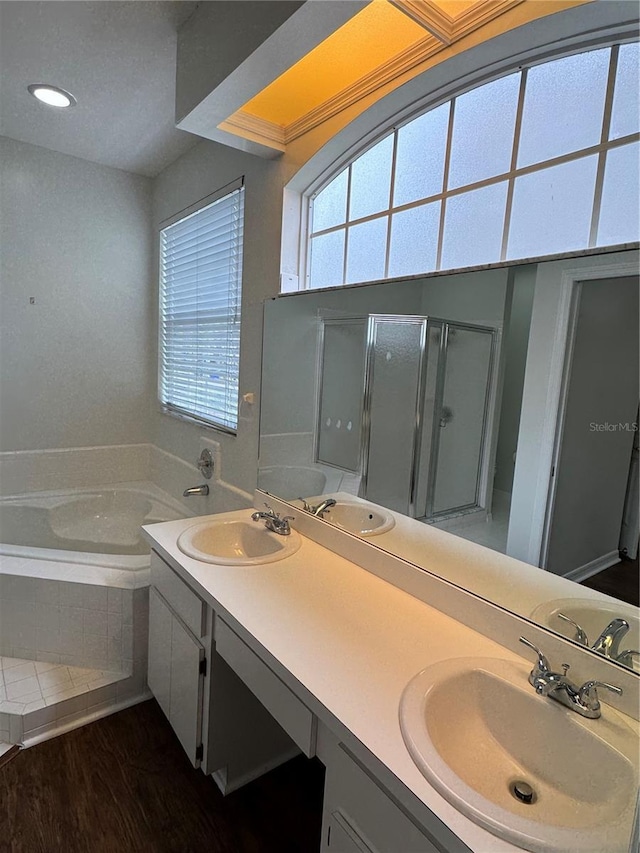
(159, 667)
(186, 690)
(175, 674)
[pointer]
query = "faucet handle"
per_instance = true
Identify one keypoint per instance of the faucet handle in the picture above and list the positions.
(626, 657)
(542, 664)
(580, 635)
(588, 694)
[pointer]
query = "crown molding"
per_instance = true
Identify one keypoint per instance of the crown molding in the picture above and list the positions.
(382, 75)
(449, 28)
(256, 128)
(443, 31)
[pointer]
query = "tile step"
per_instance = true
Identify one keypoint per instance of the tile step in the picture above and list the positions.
(38, 692)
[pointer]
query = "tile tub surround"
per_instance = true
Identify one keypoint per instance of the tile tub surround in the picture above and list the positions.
(73, 467)
(26, 471)
(87, 638)
(101, 624)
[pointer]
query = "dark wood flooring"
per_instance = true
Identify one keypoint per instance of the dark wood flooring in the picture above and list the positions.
(124, 785)
(621, 581)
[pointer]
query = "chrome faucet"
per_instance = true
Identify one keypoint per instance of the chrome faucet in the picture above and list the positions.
(273, 522)
(583, 700)
(319, 510)
(196, 490)
(608, 643)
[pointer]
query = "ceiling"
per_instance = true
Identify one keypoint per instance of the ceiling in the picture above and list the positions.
(117, 58)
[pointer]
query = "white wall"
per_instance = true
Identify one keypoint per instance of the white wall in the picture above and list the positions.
(75, 365)
(202, 170)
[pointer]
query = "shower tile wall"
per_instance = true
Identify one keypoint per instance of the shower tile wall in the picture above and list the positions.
(73, 623)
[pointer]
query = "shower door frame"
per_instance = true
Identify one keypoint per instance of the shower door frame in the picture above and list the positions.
(482, 478)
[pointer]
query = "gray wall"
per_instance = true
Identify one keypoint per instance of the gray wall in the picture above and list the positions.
(75, 365)
(602, 399)
(515, 341)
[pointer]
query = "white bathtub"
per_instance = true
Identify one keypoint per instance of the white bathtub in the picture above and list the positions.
(93, 527)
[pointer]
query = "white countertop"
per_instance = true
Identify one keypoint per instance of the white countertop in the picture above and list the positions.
(350, 639)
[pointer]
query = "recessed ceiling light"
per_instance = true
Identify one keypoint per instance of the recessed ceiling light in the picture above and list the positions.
(52, 95)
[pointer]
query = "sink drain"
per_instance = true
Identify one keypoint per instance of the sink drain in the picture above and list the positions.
(523, 791)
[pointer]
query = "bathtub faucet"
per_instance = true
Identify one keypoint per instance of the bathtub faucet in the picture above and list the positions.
(196, 490)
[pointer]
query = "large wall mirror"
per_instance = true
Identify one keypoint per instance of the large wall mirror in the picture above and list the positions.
(499, 405)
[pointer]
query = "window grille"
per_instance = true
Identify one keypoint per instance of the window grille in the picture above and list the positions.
(538, 162)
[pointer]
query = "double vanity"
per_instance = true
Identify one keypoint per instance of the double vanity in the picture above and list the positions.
(439, 730)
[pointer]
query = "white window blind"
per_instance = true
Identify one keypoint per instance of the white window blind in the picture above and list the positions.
(200, 296)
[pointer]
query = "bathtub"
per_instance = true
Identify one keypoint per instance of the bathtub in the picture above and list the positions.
(74, 577)
(92, 527)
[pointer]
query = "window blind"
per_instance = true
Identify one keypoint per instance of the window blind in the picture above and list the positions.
(200, 296)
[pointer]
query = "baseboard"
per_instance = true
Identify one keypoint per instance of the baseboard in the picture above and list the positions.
(592, 568)
(76, 721)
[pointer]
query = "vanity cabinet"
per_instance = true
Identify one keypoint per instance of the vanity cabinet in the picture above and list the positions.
(359, 816)
(224, 729)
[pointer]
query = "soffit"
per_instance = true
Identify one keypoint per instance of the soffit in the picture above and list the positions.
(382, 46)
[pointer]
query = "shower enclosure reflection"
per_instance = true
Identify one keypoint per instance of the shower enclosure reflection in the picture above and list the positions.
(403, 405)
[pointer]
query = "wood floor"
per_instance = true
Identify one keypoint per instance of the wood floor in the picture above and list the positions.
(621, 581)
(123, 785)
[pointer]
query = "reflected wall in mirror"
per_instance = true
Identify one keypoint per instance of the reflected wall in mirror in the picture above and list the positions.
(497, 404)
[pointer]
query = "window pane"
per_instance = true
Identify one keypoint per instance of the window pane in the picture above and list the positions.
(473, 227)
(619, 212)
(327, 257)
(483, 126)
(552, 209)
(624, 117)
(420, 156)
(563, 106)
(371, 180)
(330, 205)
(367, 250)
(414, 240)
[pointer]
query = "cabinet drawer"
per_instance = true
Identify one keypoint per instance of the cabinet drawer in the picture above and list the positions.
(189, 607)
(294, 717)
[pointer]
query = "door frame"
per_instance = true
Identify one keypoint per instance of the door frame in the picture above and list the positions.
(549, 437)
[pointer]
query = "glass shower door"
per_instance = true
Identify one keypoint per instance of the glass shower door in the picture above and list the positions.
(396, 348)
(460, 417)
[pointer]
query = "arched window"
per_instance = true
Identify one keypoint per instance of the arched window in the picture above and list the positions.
(542, 161)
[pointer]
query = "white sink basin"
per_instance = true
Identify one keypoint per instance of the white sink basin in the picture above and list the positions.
(593, 616)
(361, 519)
(474, 727)
(236, 543)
